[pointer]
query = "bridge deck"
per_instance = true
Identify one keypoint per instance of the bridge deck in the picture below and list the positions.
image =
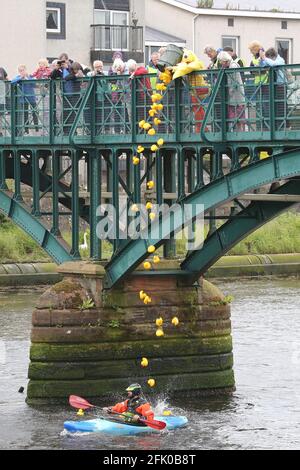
(220, 128)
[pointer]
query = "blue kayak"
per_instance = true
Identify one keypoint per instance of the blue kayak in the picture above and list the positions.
(117, 428)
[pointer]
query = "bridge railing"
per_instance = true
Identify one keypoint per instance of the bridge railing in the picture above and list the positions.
(209, 106)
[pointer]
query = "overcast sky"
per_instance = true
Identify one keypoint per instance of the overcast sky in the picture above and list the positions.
(283, 5)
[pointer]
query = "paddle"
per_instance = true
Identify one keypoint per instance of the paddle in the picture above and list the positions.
(81, 403)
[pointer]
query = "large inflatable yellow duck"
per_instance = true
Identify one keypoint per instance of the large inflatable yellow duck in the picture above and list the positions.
(199, 89)
(189, 63)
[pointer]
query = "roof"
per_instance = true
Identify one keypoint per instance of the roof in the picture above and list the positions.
(232, 13)
(261, 5)
(153, 35)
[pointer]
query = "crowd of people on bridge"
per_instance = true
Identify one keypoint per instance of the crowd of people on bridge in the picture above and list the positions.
(70, 74)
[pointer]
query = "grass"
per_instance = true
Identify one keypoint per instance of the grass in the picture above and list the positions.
(16, 246)
(282, 235)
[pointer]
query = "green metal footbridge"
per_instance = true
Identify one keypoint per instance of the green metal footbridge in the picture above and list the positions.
(231, 145)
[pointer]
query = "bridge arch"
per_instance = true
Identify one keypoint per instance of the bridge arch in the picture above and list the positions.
(53, 245)
(280, 166)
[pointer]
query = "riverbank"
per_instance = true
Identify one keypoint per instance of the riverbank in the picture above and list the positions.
(281, 235)
(288, 264)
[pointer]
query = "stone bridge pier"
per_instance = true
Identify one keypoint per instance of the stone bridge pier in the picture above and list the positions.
(90, 341)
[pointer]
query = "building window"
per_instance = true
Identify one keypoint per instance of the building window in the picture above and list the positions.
(231, 41)
(285, 49)
(56, 20)
(113, 31)
(284, 25)
(230, 21)
(122, 5)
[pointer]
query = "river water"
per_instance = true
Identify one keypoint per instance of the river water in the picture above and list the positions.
(264, 412)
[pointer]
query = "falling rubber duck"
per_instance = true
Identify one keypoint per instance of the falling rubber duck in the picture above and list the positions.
(144, 362)
(151, 383)
(150, 184)
(160, 333)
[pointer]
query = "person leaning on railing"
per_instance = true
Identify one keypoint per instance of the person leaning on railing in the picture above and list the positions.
(235, 94)
(262, 93)
(118, 96)
(102, 101)
(73, 90)
(271, 58)
(26, 100)
(153, 69)
(143, 88)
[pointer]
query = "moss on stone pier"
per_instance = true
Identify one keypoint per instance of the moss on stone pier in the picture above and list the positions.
(93, 352)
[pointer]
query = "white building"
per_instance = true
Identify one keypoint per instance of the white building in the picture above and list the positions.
(85, 29)
(94, 29)
(224, 27)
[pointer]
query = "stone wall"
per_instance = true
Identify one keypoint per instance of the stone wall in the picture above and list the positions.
(98, 351)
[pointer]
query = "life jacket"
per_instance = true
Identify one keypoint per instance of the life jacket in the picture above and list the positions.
(261, 78)
(151, 69)
(135, 406)
(241, 62)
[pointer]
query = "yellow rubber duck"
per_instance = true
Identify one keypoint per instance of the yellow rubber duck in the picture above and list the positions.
(160, 142)
(80, 412)
(154, 148)
(160, 333)
(151, 248)
(149, 206)
(156, 259)
(157, 121)
(147, 265)
(147, 126)
(175, 321)
(152, 132)
(142, 123)
(152, 216)
(144, 362)
(142, 295)
(150, 184)
(135, 160)
(147, 300)
(151, 383)
(140, 149)
(159, 321)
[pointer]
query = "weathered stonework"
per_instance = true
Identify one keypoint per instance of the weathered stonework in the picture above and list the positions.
(96, 351)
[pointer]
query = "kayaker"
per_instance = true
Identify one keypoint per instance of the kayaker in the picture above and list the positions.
(135, 407)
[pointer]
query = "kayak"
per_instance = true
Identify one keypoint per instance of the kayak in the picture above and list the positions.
(113, 427)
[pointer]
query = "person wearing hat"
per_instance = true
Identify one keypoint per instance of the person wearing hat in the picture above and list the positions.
(135, 407)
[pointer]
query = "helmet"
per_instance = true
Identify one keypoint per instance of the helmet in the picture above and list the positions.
(136, 389)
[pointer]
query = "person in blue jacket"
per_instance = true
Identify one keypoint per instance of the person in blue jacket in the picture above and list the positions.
(26, 100)
(271, 58)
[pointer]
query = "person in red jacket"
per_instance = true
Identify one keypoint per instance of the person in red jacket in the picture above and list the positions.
(135, 407)
(143, 88)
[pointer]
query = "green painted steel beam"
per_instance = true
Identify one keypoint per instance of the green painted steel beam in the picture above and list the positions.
(217, 193)
(226, 237)
(56, 248)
